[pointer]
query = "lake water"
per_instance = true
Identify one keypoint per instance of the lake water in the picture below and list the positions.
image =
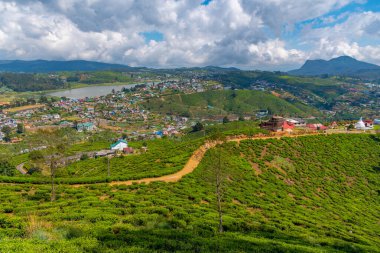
(93, 91)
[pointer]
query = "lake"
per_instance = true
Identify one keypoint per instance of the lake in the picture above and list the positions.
(92, 91)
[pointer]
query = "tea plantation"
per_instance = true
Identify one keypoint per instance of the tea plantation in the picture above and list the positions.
(305, 194)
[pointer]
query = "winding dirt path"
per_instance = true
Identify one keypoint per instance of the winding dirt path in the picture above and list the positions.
(196, 158)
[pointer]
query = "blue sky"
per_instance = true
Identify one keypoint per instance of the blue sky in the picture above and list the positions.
(249, 34)
(153, 35)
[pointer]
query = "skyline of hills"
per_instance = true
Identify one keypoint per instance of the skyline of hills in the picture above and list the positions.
(343, 65)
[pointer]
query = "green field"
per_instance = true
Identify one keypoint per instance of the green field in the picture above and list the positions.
(305, 194)
(226, 102)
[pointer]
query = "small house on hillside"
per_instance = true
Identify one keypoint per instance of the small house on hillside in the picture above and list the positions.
(119, 145)
(274, 124)
(128, 150)
(87, 126)
(278, 124)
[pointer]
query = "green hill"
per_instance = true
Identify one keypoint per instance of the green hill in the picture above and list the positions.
(227, 102)
(344, 65)
(305, 194)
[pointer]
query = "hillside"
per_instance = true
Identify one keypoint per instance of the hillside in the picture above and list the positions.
(42, 66)
(306, 194)
(226, 102)
(344, 65)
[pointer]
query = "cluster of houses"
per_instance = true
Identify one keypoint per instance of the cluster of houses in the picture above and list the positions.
(281, 124)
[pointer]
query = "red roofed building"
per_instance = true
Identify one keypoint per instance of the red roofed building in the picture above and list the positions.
(128, 150)
(368, 123)
(287, 126)
(316, 127)
(277, 124)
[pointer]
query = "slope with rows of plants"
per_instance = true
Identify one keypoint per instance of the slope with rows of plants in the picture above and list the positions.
(305, 194)
(224, 102)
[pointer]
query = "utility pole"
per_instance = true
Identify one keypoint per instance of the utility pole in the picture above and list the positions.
(52, 175)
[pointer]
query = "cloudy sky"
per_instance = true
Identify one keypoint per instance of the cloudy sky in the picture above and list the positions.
(250, 34)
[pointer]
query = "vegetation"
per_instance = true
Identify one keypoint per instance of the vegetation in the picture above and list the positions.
(306, 194)
(226, 102)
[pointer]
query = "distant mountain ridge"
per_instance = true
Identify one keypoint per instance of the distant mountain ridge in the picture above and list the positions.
(343, 65)
(43, 66)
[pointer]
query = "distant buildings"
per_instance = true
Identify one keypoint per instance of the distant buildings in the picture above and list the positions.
(87, 126)
(277, 124)
(280, 124)
(316, 127)
(364, 125)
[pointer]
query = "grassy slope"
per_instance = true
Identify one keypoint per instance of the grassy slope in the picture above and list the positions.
(224, 102)
(324, 198)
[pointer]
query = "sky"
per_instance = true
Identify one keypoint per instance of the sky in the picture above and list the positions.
(248, 34)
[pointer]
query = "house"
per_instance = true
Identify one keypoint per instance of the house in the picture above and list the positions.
(262, 113)
(119, 145)
(66, 124)
(56, 116)
(297, 122)
(368, 123)
(87, 126)
(334, 125)
(288, 126)
(278, 124)
(316, 127)
(128, 150)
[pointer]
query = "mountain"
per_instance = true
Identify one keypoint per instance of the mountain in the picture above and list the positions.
(343, 65)
(41, 66)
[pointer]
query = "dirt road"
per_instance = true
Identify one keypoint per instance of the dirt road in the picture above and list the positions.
(195, 159)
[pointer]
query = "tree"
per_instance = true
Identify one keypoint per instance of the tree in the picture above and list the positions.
(225, 120)
(198, 127)
(84, 156)
(6, 169)
(216, 175)
(7, 133)
(20, 128)
(59, 144)
(241, 118)
(36, 155)
(43, 99)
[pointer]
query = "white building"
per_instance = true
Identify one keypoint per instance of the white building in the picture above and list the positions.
(360, 125)
(119, 145)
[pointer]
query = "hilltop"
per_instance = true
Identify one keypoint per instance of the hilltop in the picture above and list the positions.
(223, 102)
(344, 65)
(43, 66)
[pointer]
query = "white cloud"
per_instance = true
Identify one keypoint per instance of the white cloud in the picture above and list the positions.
(245, 33)
(357, 36)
